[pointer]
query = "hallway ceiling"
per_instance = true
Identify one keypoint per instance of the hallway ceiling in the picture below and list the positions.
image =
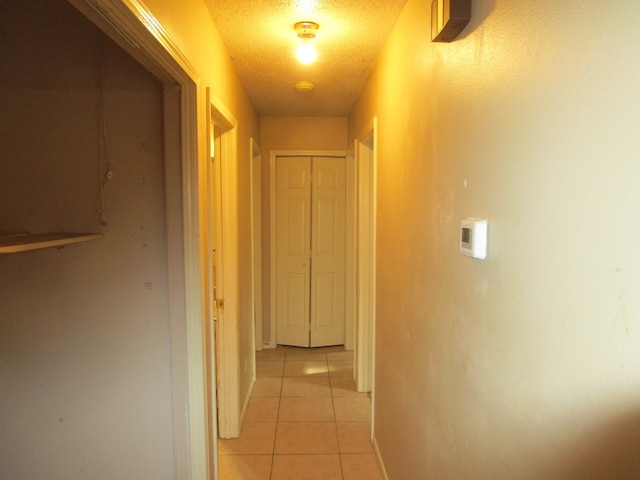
(261, 41)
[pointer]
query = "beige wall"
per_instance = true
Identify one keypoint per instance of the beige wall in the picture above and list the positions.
(289, 133)
(525, 365)
(303, 133)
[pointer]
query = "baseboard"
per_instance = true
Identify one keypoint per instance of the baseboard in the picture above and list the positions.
(267, 345)
(376, 450)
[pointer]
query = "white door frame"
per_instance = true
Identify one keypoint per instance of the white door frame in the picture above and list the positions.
(132, 26)
(366, 166)
(255, 167)
(272, 222)
(227, 285)
(350, 284)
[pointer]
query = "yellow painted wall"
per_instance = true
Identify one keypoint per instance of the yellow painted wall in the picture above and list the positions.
(303, 133)
(190, 26)
(525, 365)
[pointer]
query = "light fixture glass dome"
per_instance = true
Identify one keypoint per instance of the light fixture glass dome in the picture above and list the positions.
(306, 31)
(306, 53)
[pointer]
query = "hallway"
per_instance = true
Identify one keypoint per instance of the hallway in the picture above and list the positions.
(305, 421)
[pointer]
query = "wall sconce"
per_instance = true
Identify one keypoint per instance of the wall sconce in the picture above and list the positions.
(306, 31)
(448, 19)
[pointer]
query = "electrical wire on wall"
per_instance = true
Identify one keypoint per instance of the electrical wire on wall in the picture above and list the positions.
(105, 172)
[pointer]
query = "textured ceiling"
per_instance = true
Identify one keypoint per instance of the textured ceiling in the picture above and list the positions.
(261, 40)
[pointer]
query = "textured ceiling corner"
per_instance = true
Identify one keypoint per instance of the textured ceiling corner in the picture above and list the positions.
(261, 41)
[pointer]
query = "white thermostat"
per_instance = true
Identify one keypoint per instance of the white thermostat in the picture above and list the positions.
(473, 237)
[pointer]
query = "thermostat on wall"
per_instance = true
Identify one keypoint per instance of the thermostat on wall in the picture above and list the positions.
(473, 237)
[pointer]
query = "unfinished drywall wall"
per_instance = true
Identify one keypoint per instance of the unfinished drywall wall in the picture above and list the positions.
(525, 365)
(84, 330)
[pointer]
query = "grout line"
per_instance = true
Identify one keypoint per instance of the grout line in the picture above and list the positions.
(278, 421)
(275, 437)
(335, 421)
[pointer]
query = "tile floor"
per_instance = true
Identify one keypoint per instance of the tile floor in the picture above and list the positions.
(305, 421)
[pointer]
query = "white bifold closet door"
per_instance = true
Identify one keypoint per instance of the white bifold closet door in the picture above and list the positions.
(310, 250)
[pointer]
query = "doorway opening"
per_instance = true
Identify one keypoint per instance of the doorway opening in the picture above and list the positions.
(136, 30)
(221, 246)
(366, 159)
(255, 168)
(271, 342)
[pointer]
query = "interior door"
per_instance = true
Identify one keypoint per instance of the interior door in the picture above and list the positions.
(213, 283)
(328, 251)
(293, 244)
(310, 250)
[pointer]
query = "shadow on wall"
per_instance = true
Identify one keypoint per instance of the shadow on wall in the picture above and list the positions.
(480, 11)
(608, 452)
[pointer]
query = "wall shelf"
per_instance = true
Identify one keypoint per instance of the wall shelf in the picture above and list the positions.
(25, 242)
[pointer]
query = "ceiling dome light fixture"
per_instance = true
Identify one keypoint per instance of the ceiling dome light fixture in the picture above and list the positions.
(306, 31)
(304, 86)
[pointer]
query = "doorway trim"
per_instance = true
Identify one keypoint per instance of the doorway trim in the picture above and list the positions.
(134, 28)
(255, 176)
(226, 345)
(272, 342)
(350, 284)
(366, 167)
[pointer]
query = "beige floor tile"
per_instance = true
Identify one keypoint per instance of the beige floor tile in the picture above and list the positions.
(296, 368)
(244, 467)
(262, 409)
(267, 387)
(306, 467)
(345, 355)
(352, 409)
(322, 430)
(333, 349)
(306, 387)
(354, 437)
(306, 409)
(271, 354)
(294, 353)
(269, 368)
(360, 466)
(255, 438)
(298, 350)
(306, 438)
(341, 368)
(345, 387)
